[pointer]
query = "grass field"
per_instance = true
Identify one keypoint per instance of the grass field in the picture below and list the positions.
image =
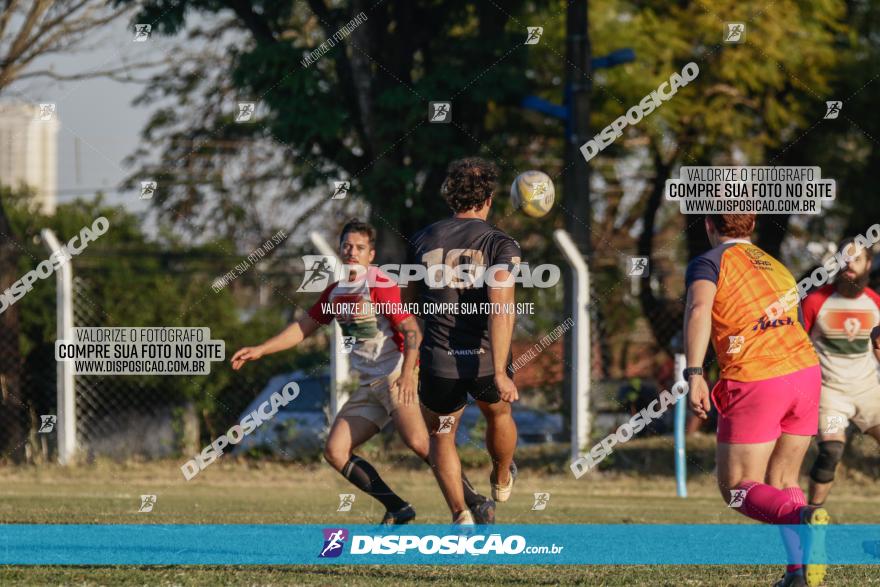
(229, 492)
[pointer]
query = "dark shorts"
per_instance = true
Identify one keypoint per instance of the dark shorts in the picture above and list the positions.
(445, 396)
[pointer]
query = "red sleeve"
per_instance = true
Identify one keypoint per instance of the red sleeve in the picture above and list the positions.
(813, 303)
(875, 297)
(389, 297)
(317, 312)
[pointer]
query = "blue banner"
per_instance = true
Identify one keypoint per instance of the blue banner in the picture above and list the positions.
(266, 544)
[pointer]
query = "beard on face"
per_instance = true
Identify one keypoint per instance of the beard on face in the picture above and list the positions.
(851, 288)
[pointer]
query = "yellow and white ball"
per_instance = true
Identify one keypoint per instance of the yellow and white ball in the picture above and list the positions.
(533, 192)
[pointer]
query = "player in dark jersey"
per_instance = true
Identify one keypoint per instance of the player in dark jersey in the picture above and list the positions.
(467, 353)
(384, 356)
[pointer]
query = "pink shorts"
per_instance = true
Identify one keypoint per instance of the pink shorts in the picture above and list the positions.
(750, 412)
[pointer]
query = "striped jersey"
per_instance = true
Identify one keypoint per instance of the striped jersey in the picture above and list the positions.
(841, 331)
(375, 344)
(750, 346)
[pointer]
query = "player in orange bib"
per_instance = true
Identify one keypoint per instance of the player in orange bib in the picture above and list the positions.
(768, 395)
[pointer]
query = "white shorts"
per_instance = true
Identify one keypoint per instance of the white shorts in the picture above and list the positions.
(840, 404)
(374, 401)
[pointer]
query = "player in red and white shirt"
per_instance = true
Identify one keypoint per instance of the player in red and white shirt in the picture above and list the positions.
(840, 318)
(384, 345)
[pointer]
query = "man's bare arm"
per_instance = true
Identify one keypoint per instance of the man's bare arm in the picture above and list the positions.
(697, 332)
(698, 321)
(501, 322)
(286, 339)
(291, 336)
(412, 339)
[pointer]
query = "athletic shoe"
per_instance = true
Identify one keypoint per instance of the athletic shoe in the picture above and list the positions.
(817, 516)
(501, 493)
(404, 515)
(795, 579)
(464, 518)
(484, 512)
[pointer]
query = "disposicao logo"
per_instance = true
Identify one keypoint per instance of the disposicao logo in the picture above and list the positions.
(334, 541)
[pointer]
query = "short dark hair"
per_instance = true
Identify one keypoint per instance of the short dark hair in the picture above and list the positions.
(869, 253)
(359, 226)
(469, 183)
(733, 225)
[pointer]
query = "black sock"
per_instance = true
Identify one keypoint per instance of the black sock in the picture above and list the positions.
(363, 476)
(471, 497)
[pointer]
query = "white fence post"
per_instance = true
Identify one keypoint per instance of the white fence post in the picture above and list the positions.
(339, 374)
(66, 407)
(581, 356)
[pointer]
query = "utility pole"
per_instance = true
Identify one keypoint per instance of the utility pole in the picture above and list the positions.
(576, 174)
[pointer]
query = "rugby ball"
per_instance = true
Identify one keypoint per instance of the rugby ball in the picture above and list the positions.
(533, 193)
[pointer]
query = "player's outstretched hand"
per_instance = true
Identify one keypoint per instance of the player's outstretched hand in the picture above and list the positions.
(243, 355)
(506, 388)
(698, 396)
(406, 389)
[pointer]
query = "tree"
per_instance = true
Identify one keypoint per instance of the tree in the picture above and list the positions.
(358, 113)
(117, 279)
(29, 30)
(11, 402)
(751, 100)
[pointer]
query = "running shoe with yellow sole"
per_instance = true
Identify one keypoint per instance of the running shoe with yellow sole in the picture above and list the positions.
(817, 518)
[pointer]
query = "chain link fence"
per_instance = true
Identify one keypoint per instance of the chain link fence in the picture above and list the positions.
(121, 416)
(159, 416)
(635, 336)
(636, 331)
(132, 416)
(635, 321)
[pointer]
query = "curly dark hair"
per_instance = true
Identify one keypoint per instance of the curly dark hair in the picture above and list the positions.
(469, 182)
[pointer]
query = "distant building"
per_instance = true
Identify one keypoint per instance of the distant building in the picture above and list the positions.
(29, 150)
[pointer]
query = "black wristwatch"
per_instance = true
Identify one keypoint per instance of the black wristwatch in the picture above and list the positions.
(691, 371)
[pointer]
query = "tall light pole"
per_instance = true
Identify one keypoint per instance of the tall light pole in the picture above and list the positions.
(575, 113)
(576, 173)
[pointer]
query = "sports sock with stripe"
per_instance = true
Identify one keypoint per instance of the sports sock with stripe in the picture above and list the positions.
(768, 504)
(363, 476)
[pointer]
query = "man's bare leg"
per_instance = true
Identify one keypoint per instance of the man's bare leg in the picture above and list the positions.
(784, 466)
(741, 462)
(444, 457)
(410, 426)
(347, 434)
(500, 437)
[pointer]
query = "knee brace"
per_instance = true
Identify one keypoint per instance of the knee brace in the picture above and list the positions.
(830, 453)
